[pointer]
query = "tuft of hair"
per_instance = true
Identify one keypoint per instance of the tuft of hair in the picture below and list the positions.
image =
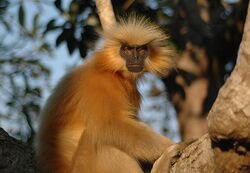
(138, 30)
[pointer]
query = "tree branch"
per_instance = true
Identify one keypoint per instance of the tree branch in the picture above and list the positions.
(227, 146)
(229, 118)
(106, 13)
(15, 156)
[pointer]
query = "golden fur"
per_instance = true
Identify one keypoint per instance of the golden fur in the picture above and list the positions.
(89, 123)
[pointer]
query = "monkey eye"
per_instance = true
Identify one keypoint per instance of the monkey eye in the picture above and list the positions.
(142, 51)
(126, 50)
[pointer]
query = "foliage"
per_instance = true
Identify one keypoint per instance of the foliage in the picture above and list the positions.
(77, 30)
(21, 68)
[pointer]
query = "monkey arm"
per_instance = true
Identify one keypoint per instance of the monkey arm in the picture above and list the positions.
(140, 141)
(135, 138)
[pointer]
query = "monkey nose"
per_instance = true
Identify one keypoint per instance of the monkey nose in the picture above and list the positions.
(134, 52)
(136, 57)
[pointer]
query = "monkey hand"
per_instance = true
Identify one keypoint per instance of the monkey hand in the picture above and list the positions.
(169, 157)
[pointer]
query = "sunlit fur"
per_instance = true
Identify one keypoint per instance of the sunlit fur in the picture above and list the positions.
(89, 124)
(138, 31)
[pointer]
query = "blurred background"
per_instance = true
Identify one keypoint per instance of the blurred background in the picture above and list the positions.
(41, 40)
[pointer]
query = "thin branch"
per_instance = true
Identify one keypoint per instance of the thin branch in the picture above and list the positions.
(127, 4)
(106, 13)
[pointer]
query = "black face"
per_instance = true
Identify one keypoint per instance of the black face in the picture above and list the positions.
(134, 56)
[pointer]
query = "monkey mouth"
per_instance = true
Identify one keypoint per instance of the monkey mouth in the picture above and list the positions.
(135, 68)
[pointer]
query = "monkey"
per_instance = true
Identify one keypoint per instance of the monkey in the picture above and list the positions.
(90, 122)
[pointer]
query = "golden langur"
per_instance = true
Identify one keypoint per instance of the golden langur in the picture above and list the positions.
(90, 123)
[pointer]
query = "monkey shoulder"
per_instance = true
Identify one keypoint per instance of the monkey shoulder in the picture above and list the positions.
(87, 82)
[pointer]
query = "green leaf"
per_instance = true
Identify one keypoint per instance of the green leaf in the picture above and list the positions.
(45, 47)
(37, 91)
(63, 36)
(51, 26)
(83, 49)
(21, 15)
(7, 25)
(58, 4)
(35, 107)
(71, 44)
(3, 6)
(10, 103)
(35, 24)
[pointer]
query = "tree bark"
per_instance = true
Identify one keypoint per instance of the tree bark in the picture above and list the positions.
(106, 13)
(15, 156)
(226, 148)
(196, 158)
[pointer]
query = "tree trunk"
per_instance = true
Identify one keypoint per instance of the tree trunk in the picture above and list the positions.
(226, 149)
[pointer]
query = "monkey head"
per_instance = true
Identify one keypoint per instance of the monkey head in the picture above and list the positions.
(135, 45)
(134, 56)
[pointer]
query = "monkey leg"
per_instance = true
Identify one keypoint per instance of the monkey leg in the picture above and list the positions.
(113, 160)
(91, 157)
(106, 159)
